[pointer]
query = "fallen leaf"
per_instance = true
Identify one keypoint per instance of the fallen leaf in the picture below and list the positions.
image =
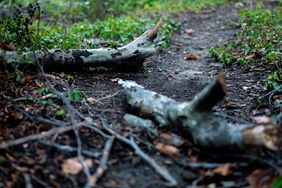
(7, 47)
(168, 149)
(223, 170)
(191, 156)
(262, 120)
(277, 97)
(91, 100)
(28, 78)
(229, 105)
(250, 56)
(170, 77)
(191, 57)
(190, 31)
(166, 136)
(260, 178)
(73, 166)
(172, 139)
(115, 79)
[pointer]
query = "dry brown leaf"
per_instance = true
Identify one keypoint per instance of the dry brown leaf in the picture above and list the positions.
(260, 178)
(191, 156)
(262, 120)
(28, 78)
(168, 149)
(73, 166)
(223, 170)
(190, 31)
(250, 56)
(7, 47)
(229, 105)
(91, 100)
(166, 136)
(170, 77)
(277, 97)
(171, 139)
(191, 57)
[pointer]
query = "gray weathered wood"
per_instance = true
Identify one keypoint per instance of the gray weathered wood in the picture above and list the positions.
(132, 54)
(196, 119)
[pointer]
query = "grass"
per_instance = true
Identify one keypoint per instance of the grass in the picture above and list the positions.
(258, 42)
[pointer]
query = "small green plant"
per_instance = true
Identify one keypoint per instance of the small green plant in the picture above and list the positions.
(259, 41)
(273, 80)
(75, 95)
(69, 77)
(15, 26)
(60, 113)
(220, 54)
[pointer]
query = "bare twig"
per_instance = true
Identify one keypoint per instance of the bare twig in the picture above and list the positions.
(41, 135)
(102, 166)
(27, 180)
(67, 148)
(160, 170)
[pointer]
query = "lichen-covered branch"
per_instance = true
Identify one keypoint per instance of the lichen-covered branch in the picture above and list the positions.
(131, 55)
(196, 120)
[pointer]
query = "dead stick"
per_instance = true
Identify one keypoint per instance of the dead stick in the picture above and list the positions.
(103, 164)
(41, 135)
(160, 170)
(196, 120)
(131, 55)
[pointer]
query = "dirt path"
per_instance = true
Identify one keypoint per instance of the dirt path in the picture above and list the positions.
(170, 74)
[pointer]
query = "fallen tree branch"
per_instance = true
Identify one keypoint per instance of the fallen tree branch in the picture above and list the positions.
(131, 120)
(131, 55)
(196, 120)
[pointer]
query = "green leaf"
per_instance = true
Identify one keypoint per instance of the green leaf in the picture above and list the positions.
(70, 77)
(76, 95)
(272, 56)
(60, 113)
(40, 89)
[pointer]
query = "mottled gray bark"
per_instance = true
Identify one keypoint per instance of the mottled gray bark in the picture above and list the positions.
(130, 55)
(195, 118)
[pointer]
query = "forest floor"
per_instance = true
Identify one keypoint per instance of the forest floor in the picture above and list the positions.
(173, 72)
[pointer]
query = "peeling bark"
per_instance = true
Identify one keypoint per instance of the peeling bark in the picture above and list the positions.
(131, 55)
(196, 119)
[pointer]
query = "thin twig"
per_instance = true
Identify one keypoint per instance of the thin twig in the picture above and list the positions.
(41, 135)
(67, 148)
(92, 181)
(27, 180)
(160, 170)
